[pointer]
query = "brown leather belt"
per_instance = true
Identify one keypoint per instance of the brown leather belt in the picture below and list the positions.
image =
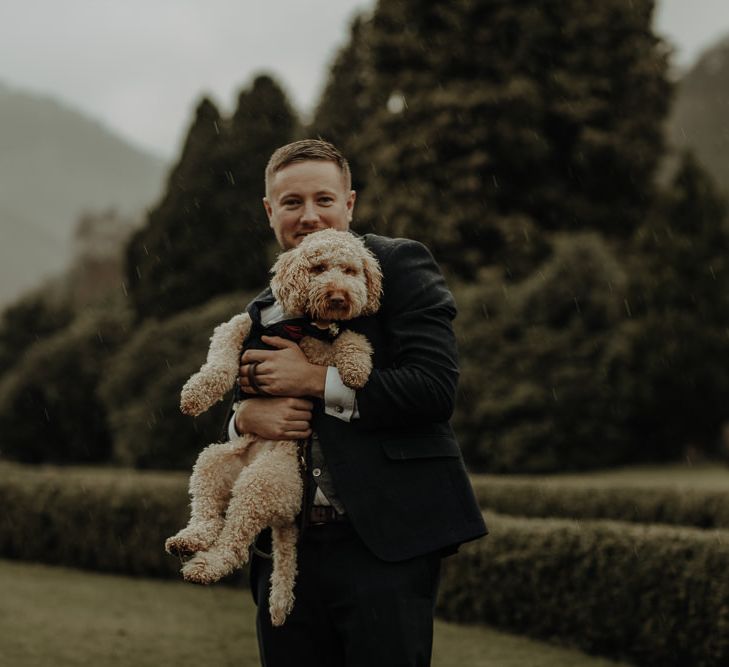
(320, 514)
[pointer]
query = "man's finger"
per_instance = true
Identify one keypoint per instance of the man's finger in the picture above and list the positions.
(301, 404)
(249, 356)
(298, 426)
(297, 435)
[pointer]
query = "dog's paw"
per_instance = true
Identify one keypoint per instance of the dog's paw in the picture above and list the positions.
(192, 539)
(279, 607)
(207, 567)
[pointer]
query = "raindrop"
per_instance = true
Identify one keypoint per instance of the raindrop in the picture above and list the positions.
(124, 288)
(627, 308)
(711, 268)
(397, 103)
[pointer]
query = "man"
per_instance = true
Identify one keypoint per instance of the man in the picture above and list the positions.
(389, 492)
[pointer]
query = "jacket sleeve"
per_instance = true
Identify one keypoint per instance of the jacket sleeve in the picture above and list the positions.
(418, 382)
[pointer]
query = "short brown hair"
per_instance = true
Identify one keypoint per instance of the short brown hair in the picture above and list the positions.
(307, 149)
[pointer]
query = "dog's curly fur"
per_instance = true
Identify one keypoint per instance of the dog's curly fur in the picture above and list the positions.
(240, 487)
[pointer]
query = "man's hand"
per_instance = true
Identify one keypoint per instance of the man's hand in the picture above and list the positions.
(284, 371)
(275, 418)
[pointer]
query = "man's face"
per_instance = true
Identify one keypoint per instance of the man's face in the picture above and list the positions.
(305, 197)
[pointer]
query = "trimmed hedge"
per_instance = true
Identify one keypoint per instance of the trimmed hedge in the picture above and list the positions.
(688, 507)
(108, 520)
(655, 595)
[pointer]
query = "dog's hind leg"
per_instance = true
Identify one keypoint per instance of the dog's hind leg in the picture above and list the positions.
(267, 492)
(283, 575)
(211, 483)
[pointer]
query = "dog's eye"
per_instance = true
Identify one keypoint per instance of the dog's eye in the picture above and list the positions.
(350, 270)
(318, 268)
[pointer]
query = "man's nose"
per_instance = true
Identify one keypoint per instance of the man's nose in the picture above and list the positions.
(309, 214)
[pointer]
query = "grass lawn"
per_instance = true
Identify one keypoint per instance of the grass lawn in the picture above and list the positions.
(708, 476)
(58, 617)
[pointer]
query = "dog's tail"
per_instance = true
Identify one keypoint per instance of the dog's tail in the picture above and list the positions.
(283, 575)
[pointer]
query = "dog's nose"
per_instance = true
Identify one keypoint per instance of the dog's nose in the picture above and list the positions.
(337, 301)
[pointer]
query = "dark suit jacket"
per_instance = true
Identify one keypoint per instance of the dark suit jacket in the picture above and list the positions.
(398, 468)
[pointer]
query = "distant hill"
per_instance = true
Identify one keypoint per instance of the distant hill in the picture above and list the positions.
(700, 115)
(56, 163)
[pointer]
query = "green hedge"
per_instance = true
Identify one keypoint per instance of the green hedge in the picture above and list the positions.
(108, 520)
(689, 507)
(655, 595)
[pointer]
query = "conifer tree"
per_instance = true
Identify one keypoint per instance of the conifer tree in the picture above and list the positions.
(346, 101)
(209, 234)
(501, 119)
(667, 362)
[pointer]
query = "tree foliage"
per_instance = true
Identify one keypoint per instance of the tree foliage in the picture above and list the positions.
(32, 317)
(49, 412)
(142, 383)
(209, 234)
(347, 100)
(667, 364)
(533, 397)
(490, 120)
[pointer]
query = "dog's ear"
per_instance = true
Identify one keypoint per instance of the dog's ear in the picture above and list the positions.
(289, 282)
(373, 276)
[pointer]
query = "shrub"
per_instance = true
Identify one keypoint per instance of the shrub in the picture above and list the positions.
(656, 595)
(48, 406)
(142, 383)
(108, 520)
(533, 397)
(690, 507)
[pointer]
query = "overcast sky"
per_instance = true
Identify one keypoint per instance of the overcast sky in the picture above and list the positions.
(140, 66)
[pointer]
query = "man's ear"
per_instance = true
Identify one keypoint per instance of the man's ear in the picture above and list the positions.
(351, 199)
(267, 206)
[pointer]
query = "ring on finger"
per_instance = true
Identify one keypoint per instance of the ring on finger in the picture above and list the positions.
(253, 381)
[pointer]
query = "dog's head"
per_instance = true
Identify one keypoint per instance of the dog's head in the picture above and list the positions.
(331, 275)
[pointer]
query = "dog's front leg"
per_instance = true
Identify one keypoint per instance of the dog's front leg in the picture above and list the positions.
(352, 355)
(218, 373)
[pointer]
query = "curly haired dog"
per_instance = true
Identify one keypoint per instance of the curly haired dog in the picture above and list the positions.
(240, 487)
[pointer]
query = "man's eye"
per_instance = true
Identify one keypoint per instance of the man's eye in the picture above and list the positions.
(290, 203)
(326, 200)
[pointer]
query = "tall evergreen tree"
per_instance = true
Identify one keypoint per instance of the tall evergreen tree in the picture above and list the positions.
(667, 363)
(209, 234)
(347, 101)
(502, 118)
(533, 397)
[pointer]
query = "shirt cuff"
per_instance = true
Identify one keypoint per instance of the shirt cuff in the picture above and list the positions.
(232, 430)
(339, 399)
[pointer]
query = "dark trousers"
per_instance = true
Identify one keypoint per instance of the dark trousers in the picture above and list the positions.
(351, 608)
